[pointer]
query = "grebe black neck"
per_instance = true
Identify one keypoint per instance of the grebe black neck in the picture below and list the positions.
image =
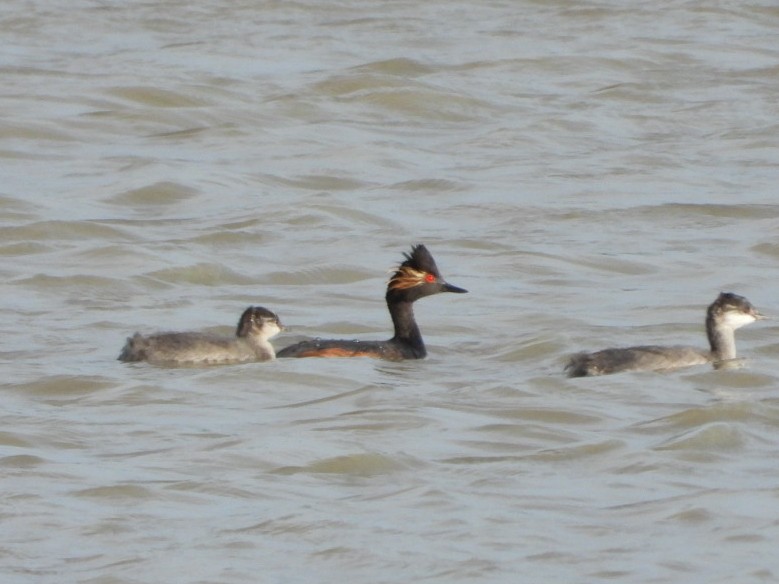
(415, 278)
(406, 329)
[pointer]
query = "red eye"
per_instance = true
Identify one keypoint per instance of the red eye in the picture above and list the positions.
(429, 278)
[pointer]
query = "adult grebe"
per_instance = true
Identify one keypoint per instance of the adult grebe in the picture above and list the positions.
(727, 313)
(415, 278)
(250, 343)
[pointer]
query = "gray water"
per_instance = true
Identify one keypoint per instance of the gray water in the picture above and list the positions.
(593, 173)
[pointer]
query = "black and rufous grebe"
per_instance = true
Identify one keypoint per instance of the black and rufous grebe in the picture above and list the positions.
(250, 343)
(415, 278)
(727, 313)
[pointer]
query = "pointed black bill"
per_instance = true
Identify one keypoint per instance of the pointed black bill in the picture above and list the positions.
(449, 288)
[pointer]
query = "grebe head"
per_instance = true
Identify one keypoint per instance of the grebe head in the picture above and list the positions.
(258, 320)
(417, 277)
(732, 310)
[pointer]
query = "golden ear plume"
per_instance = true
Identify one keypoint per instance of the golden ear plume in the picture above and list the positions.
(406, 278)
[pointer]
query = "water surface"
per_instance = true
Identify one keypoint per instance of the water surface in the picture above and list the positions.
(593, 173)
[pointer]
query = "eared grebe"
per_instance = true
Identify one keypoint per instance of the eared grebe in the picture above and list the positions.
(415, 278)
(727, 313)
(250, 343)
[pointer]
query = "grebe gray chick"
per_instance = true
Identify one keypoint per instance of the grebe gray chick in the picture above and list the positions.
(726, 314)
(255, 327)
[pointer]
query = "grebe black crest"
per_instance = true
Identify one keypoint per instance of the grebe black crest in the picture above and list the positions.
(250, 343)
(726, 314)
(415, 278)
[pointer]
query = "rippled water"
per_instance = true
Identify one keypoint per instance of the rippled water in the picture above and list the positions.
(593, 173)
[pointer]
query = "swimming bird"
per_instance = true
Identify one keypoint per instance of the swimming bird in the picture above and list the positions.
(415, 278)
(250, 343)
(726, 314)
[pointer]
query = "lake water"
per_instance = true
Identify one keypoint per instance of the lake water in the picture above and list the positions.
(594, 173)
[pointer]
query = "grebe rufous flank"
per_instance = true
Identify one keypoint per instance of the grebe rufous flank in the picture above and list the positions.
(256, 326)
(727, 313)
(415, 278)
